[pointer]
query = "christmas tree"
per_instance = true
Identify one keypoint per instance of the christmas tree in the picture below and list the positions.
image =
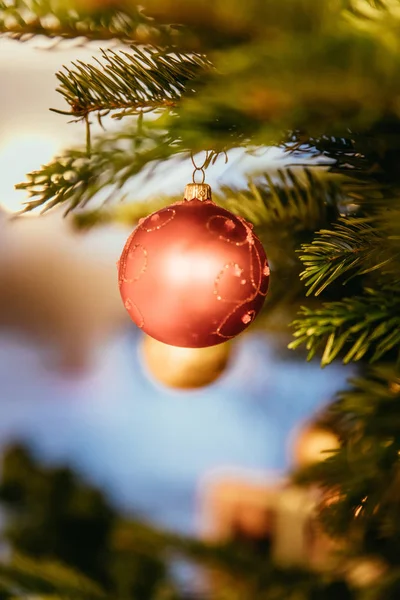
(320, 81)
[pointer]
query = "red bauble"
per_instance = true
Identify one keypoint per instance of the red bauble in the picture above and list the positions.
(193, 274)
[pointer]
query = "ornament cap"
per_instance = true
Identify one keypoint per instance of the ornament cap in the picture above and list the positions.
(201, 191)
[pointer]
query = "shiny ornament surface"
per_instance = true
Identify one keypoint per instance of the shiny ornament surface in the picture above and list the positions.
(193, 274)
(184, 368)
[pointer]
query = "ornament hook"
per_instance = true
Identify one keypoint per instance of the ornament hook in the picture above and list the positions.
(198, 189)
(201, 169)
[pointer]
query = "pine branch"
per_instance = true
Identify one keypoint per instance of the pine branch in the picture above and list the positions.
(24, 19)
(374, 14)
(367, 161)
(75, 178)
(354, 247)
(361, 324)
(361, 480)
(298, 199)
(24, 575)
(281, 90)
(131, 547)
(131, 83)
(284, 208)
(269, 103)
(354, 155)
(255, 573)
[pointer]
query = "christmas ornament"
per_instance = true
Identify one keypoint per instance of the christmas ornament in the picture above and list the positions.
(193, 274)
(270, 510)
(231, 504)
(313, 444)
(184, 368)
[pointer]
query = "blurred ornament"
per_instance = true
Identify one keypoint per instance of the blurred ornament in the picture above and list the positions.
(193, 274)
(184, 368)
(238, 505)
(365, 571)
(394, 386)
(56, 288)
(281, 515)
(313, 444)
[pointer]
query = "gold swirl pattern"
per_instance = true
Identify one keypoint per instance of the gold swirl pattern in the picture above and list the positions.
(158, 220)
(134, 313)
(263, 273)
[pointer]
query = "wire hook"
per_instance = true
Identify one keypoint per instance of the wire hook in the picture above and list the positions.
(197, 168)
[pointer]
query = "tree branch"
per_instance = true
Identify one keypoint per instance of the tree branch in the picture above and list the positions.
(50, 578)
(361, 479)
(143, 80)
(353, 247)
(75, 178)
(22, 20)
(363, 324)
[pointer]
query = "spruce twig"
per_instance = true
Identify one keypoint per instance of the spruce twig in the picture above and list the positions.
(130, 83)
(355, 246)
(23, 20)
(24, 575)
(362, 324)
(360, 480)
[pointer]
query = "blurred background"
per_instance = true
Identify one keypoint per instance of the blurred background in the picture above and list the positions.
(167, 435)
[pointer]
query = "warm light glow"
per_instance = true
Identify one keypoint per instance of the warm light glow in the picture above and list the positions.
(20, 154)
(184, 267)
(313, 445)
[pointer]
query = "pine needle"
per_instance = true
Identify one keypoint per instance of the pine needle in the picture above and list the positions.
(368, 324)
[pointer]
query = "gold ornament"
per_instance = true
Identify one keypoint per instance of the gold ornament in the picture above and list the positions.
(394, 386)
(184, 368)
(313, 444)
(365, 571)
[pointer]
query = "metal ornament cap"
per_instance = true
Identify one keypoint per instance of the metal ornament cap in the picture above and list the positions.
(199, 191)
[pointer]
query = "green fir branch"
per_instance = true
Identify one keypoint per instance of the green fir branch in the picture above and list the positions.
(355, 246)
(139, 81)
(300, 199)
(24, 19)
(303, 199)
(24, 575)
(285, 206)
(257, 574)
(360, 481)
(225, 112)
(77, 178)
(360, 325)
(374, 15)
